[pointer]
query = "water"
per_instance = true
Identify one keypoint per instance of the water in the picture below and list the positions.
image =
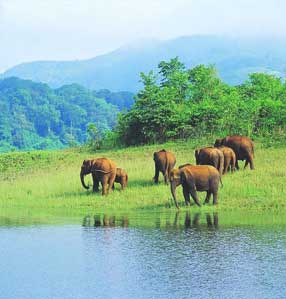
(173, 256)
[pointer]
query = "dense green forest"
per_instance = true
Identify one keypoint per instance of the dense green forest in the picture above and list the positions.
(174, 103)
(177, 102)
(34, 116)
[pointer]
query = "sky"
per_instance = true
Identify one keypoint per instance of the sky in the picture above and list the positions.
(79, 29)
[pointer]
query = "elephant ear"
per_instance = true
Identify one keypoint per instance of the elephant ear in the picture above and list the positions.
(155, 156)
(197, 152)
(186, 175)
(86, 163)
(175, 174)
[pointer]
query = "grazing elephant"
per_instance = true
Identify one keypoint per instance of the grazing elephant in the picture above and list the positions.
(210, 156)
(195, 178)
(229, 158)
(121, 178)
(103, 170)
(164, 162)
(242, 146)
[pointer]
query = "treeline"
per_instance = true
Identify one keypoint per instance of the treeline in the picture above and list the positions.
(177, 103)
(34, 116)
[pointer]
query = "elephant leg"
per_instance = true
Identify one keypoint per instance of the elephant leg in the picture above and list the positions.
(111, 183)
(226, 168)
(195, 196)
(104, 183)
(215, 164)
(215, 197)
(207, 197)
(95, 183)
(95, 186)
(166, 178)
(251, 162)
(168, 171)
(156, 177)
(232, 166)
(186, 195)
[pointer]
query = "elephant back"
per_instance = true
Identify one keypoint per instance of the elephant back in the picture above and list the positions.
(164, 158)
(241, 145)
(104, 165)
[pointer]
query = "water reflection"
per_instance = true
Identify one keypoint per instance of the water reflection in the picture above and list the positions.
(105, 221)
(144, 255)
(180, 220)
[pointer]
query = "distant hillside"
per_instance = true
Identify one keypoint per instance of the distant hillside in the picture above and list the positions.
(118, 70)
(34, 116)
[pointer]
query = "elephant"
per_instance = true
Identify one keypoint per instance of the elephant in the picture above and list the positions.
(195, 178)
(210, 156)
(242, 146)
(229, 158)
(164, 162)
(121, 178)
(103, 170)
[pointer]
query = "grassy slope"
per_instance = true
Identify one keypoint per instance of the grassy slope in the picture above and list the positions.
(50, 180)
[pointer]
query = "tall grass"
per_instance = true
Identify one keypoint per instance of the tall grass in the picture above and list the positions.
(56, 185)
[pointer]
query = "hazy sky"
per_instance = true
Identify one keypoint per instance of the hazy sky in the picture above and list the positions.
(77, 29)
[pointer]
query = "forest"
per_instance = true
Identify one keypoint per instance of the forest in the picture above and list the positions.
(174, 103)
(35, 116)
(180, 103)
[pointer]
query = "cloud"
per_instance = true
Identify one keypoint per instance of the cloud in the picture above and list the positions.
(72, 29)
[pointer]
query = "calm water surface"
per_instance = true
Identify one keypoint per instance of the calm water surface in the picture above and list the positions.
(185, 256)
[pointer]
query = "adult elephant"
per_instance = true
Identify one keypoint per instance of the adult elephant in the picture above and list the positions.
(210, 156)
(242, 146)
(164, 162)
(103, 171)
(121, 178)
(195, 178)
(229, 158)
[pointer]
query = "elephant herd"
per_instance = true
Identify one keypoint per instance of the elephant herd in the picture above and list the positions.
(211, 164)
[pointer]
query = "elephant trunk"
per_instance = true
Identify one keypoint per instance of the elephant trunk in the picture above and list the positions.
(173, 191)
(82, 181)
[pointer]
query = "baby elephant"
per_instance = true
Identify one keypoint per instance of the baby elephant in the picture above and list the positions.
(229, 158)
(121, 178)
(195, 178)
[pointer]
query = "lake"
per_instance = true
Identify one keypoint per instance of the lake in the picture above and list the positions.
(143, 255)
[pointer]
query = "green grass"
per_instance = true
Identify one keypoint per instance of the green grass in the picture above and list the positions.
(49, 182)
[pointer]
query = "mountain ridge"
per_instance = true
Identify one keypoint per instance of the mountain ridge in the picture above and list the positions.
(119, 69)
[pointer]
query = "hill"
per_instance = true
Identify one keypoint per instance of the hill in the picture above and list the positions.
(35, 116)
(118, 70)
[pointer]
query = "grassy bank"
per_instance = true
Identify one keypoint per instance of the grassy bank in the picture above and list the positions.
(50, 181)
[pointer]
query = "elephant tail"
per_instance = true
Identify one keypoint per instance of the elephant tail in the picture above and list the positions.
(220, 181)
(252, 148)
